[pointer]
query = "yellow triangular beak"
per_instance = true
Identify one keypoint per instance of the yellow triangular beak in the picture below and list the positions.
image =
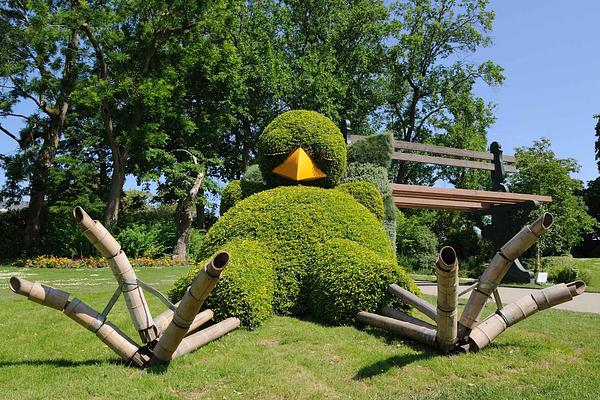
(299, 167)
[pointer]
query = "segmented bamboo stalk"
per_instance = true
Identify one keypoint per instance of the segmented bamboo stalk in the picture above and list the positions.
(123, 272)
(491, 277)
(414, 300)
(415, 332)
(188, 308)
(200, 338)
(447, 298)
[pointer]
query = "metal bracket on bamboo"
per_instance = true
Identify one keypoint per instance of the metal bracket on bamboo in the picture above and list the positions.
(170, 335)
(453, 336)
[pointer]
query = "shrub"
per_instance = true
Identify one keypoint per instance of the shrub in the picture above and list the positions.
(315, 133)
(366, 194)
(246, 286)
(377, 175)
(12, 228)
(415, 242)
(349, 278)
(375, 149)
(252, 181)
(92, 262)
(140, 240)
(291, 223)
(196, 237)
(565, 274)
(230, 195)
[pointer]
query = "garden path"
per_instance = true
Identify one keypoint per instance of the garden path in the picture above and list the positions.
(587, 302)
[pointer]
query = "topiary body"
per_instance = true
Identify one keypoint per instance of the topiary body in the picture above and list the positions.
(302, 249)
(315, 237)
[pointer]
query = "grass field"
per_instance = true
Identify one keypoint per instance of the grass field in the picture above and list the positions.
(553, 355)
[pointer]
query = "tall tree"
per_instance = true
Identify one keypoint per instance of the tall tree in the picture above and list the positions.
(129, 38)
(426, 69)
(541, 172)
(38, 66)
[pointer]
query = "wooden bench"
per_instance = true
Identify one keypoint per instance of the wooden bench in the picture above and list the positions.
(414, 196)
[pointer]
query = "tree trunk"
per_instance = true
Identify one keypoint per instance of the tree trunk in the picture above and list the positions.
(183, 219)
(117, 181)
(39, 186)
(200, 221)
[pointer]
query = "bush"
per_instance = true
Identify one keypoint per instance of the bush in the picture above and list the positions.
(230, 195)
(375, 149)
(315, 133)
(140, 240)
(246, 286)
(564, 274)
(252, 181)
(366, 194)
(415, 242)
(377, 175)
(12, 228)
(291, 223)
(349, 278)
(92, 262)
(196, 237)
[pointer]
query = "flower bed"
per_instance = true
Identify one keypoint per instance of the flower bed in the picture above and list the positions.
(91, 262)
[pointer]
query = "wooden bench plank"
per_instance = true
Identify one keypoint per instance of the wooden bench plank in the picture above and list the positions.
(447, 151)
(482, 196)
(437, 204)
(452, 162)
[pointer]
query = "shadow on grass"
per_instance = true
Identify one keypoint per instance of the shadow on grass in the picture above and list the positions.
(397, 361)
(381, 367)
(60, 363)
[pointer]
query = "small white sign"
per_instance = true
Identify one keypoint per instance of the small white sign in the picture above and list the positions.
(542, 277)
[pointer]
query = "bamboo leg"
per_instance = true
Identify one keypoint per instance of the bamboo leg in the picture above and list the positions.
(495, 324)
(491, 277)
(162, 322)
(447, 298)
(188, 308)
(123, 272)
(401, 316)
(415, 301)
(200, 338)
(83, 314)
(415, 332)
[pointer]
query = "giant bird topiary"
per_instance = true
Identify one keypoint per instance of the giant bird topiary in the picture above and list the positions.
(302, 246)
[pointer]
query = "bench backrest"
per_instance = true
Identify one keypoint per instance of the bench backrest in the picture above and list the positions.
(420, 152)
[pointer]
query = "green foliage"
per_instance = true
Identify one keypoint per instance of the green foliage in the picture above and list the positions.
(143, 240)
(252, 181)
(315, 133)
(366, 194)
(246, 287)
(429, 89)
(349, 278)
(12, 225)
(564, 274)
(230, 195)
(377, 175)
(291, 223)
(541, 172)
(196, 238)
(415, 242)
(375, 149)
(53, 262)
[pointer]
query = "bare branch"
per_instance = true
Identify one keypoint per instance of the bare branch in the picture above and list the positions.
(9, 134)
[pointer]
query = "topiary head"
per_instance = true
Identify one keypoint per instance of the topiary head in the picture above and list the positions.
(302, 147)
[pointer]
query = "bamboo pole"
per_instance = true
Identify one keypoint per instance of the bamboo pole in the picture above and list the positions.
(83, 314)
(415, 332)
(188, 308)
(415, 301)
(447, 298)
(200, 338)
(123, 272)
(401, 316)
(495, 324)
(491, 277)
(164, 319)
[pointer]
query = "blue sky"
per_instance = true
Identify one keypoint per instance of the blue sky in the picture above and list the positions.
(550, 50)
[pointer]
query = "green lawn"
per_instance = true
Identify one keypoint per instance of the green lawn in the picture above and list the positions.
(553, 355)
